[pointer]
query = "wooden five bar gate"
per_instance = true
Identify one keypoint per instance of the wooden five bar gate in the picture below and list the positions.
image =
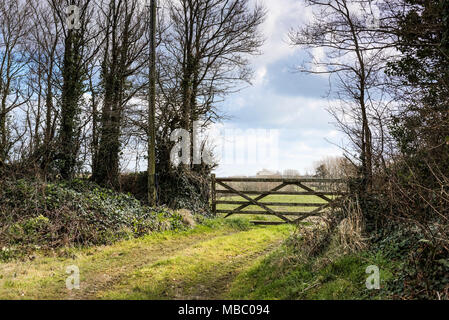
(329, 191)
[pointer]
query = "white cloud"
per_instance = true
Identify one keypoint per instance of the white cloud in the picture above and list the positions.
(282, 15)
(303, 123)
(260, 76)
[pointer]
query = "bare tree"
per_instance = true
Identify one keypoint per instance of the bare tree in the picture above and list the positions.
(353, 53)
(45, 50)
(205, 54)
(14, 93)
(123, 49)
(77, 54)
(334, 167)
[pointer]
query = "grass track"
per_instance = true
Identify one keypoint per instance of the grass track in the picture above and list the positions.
(200, 263)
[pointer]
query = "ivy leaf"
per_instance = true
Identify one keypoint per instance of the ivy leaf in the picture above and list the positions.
(444, 262)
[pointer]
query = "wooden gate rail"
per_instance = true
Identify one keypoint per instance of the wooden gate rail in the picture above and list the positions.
(292, 193)
(284, 180)
(278, 204)
(324, 195)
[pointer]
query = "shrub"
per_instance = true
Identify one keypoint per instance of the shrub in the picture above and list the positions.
(177, 189)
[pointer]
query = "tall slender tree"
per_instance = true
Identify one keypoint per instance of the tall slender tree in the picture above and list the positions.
(14, 26)
(123, 47)
(76, 37)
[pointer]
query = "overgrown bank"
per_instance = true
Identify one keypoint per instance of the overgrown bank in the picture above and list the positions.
(329, 259)
(45, 215)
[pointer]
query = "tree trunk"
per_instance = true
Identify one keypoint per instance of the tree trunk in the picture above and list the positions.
(71, 95)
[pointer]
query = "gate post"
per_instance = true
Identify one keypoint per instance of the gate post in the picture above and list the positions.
(214, 203)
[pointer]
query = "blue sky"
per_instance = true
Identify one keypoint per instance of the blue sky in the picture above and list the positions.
(292, 104)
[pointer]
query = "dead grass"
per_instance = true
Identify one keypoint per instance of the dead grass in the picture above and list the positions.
(350, 234)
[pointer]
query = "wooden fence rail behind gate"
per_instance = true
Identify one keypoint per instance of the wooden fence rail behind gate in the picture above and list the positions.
(327, 191)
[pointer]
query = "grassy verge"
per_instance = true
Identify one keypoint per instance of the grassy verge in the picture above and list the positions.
(282, 275)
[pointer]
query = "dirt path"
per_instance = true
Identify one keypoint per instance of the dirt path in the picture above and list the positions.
(198, 264)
